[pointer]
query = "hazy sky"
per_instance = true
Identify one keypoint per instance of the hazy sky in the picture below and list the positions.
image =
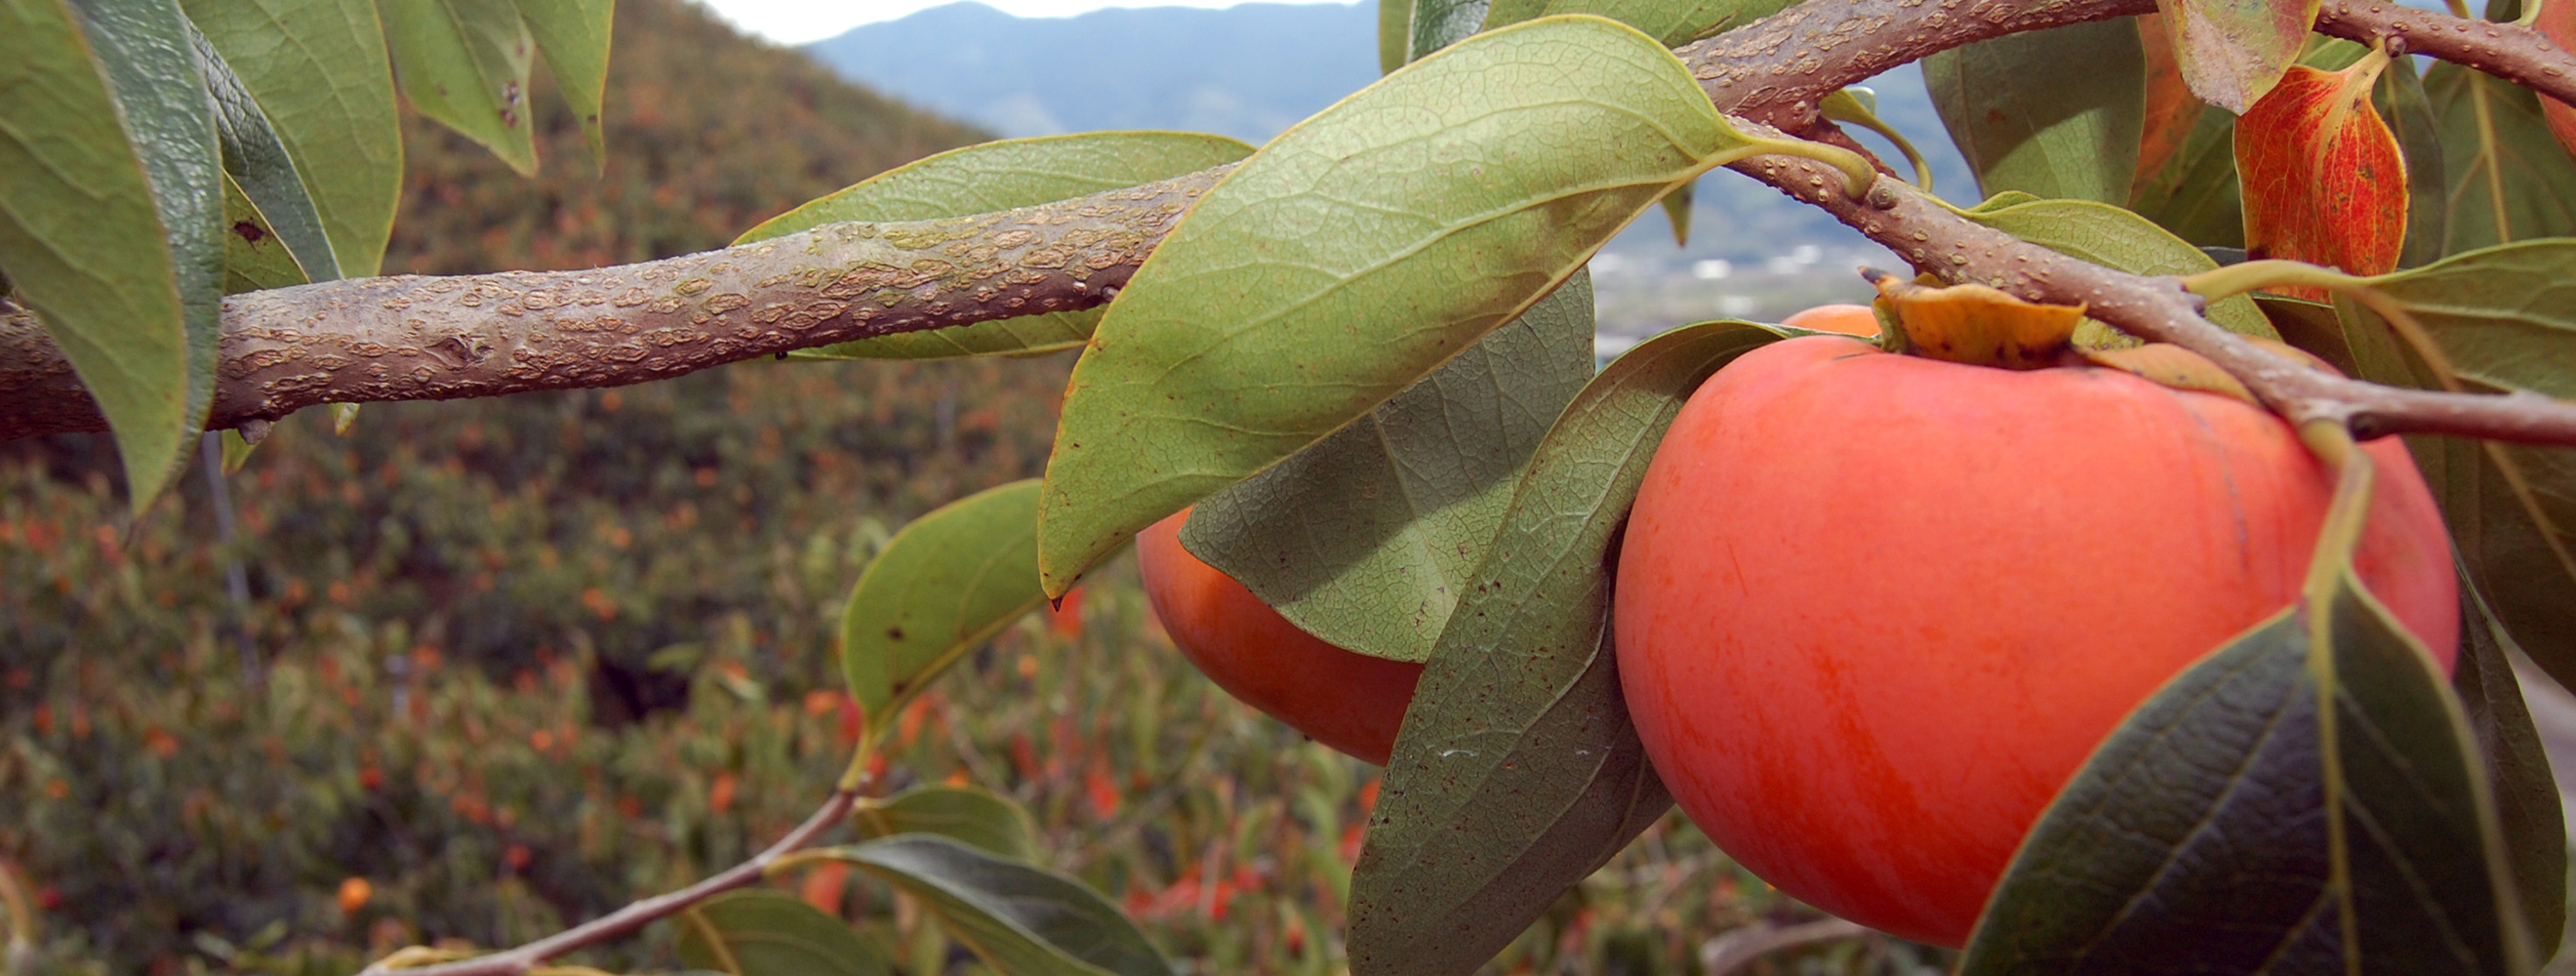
(799, 21)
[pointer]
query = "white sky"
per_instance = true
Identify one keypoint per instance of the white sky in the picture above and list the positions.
(800, 21)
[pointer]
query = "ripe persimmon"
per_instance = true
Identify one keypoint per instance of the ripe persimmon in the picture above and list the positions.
(1351, 702)
(1873, 611)
(1859, 320)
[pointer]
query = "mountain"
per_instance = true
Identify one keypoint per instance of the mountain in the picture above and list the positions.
(1252, 70)
(1247, 71)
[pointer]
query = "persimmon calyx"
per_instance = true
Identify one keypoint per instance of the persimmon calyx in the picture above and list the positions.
(1977, 325)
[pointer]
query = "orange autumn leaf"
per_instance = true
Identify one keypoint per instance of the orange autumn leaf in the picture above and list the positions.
(2557, 22)
(2323, 178)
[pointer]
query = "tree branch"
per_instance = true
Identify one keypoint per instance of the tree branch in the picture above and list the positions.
(1936, 241)
(2509, 51)
(625, 921)
(413, 338)
(409, 337)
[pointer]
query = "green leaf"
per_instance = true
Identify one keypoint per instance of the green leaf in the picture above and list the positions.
(1436, 24)
(1366, 538)
(772, 933)
(1394, 33)
(82, 241)
(573, 36)
(971, 816)
(2504, 319)
(2518, 775)
(1355, 253)
(1020, 919)
(941, 586)
(2232, 51)
(2193, 192)
(2057, 113)
(2509, 179)
(1671, 22)
(1000, 176)
(2402, 100)
(1517, 772)
(465, 64)
(144, 47)
(319, 72)
(260, 167)
(2112, 237)
(254, 257)
(2311, 326)
(2197, 836)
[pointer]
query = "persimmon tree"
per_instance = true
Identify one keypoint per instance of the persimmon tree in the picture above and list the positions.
(1360, 356)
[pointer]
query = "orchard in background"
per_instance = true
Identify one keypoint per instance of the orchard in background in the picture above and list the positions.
(1359, 359)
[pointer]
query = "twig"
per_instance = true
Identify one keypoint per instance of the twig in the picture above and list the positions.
(1738, 948)
(624, 921)
(1937, 241)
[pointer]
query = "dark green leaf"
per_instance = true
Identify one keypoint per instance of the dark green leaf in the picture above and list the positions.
(1022, 920)
(2526, 794)
(1366, 538)
(83, 242)
(941, 586)
(1436, 24)
(151, 71)
(2505, 320)
(2401, 99)
(1341, 263)
(772, 933)
(261, 168)
(1517, 772)
(573, 35)
(320, 74)
(965, 814)
(1677, 211)
(465, 64)
(1000, 176)
(2509, 178)
(2193, 192)
(2306, 799)
(254, 257)
(2311, 326)
(2057, 113)
(2112, 237)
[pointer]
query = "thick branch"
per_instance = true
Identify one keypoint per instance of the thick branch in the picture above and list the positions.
(437, 338)
(2509, 51)
(625, 921)
(1939, 242)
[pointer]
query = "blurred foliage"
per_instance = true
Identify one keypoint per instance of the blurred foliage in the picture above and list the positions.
(507, 664)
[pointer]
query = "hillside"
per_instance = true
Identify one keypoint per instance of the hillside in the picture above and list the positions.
(708, 133)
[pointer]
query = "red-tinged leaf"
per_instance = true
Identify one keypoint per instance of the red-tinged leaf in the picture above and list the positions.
(2323, 178)
(2233, 51)
(2557, 22)
(2171, 107)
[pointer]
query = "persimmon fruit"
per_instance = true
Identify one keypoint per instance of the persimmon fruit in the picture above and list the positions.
(1873, 611)
(1859, 320)
(1350, 702)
